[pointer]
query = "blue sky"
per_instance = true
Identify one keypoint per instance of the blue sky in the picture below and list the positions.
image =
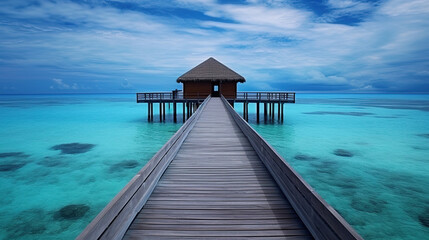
(89, 46)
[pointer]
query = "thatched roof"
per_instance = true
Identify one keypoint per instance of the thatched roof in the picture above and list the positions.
(211, 70)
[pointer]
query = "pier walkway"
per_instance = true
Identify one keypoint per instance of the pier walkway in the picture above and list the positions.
(217, 178)
(217, 186)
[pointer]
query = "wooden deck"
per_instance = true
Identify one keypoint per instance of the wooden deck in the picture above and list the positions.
(282, 97)
(216, 178)
(189, 104)
(217, 186)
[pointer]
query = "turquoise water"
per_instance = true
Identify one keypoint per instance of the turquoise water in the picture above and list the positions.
(381, 186)
(38, 182)
(64, 157)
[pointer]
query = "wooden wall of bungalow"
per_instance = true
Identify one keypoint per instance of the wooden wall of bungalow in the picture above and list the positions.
(199, 89)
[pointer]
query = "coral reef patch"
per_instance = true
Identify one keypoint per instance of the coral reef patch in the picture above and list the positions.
(71, 212)
(73, 148)
(343, 153)
(126, 164)
(304, 157)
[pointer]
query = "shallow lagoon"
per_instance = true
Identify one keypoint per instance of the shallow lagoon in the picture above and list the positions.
(64, 157)
(73, 150)
(366, 155)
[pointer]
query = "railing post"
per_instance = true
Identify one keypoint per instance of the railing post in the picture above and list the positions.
(283, 110)
(257, 111)
(174, 111)
(265, 111)
(160, 111)
(151, 111)
(148, 111)
(183, 111)
(163, 111)
(244, 110)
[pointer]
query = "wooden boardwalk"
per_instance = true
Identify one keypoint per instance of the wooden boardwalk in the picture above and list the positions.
(217, 178)
(189, 104)
(217, 186)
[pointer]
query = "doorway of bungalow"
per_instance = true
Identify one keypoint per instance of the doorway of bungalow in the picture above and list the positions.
(215, 90)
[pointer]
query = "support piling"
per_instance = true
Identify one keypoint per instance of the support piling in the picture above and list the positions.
(257, 112)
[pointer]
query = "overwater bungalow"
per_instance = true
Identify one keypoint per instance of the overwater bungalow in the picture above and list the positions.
(215, 79)
(210, 78)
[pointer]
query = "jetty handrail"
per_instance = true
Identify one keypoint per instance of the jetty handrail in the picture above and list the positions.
(320, 218)
(154, 96)
(113, 221)
(241, 96)
(280, 96)
(160, 96)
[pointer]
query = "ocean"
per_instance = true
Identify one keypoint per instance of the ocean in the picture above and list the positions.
(64, 157)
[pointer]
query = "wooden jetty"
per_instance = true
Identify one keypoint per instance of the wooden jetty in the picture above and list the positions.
(270, 101)
(216, 178)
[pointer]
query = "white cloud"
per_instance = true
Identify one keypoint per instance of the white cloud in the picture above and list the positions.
(109, 43)
(352, 5)
(346, 8)
(397, 8)
(60, 84)
(315, 76)
(259, 15)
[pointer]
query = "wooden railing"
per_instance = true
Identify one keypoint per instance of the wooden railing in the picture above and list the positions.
(266, 96)
(319, 217)
(241, 96)
(158, 96)
(113, 221)
(167, 96)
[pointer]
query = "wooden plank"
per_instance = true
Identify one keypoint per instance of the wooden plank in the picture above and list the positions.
(216, 185)
(219, 201)
(217, 206)
(236, 175)
(219, 222)
(190, 191)
(213, 179)
(230, 238)
(218, 198)
(204, 217)
(219, 227)
(210, 212)
(218, 193)
(244, 233)
(205, 168)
